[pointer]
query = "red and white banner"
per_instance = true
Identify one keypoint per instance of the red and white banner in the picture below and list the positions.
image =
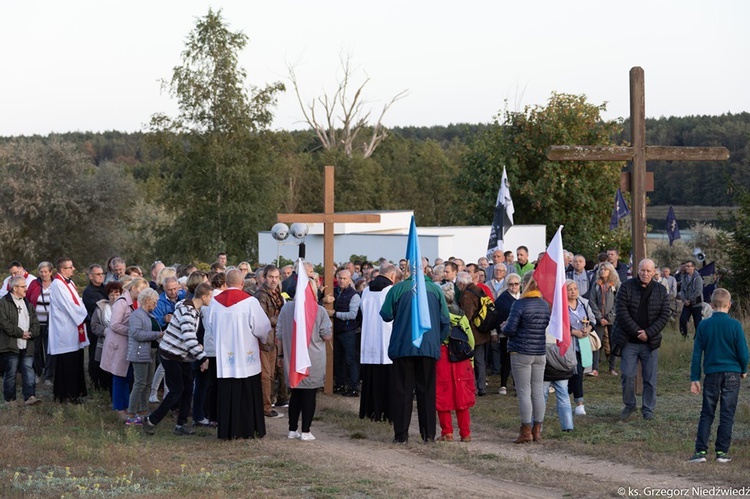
(305, 311)
(550, 277)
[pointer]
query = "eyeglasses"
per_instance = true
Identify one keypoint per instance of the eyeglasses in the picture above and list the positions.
(97, 273)
(514, 284)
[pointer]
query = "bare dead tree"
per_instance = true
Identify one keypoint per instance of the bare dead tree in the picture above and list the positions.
(338, 119)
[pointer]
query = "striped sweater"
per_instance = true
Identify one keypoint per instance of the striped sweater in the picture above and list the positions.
(180, 341)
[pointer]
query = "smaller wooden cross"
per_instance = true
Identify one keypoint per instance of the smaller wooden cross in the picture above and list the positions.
(328, 218)
(637, 180)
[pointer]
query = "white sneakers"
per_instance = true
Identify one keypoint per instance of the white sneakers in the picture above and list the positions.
(293, 434)
(580, 411)
(307, 437)
(503, 391)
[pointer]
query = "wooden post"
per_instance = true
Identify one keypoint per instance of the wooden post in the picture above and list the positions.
(639, 181)
(328, 218)
(638, 153)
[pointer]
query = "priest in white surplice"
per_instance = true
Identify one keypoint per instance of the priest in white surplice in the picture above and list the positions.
(375, 367)
(238, 325)
(67, 334)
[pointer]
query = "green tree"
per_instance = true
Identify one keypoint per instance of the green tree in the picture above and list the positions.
(57, 202)
(219, 187)
(420, 175)
(737, 246)
(576, 194)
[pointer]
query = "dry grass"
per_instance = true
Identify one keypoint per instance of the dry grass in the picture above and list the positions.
(53, 450)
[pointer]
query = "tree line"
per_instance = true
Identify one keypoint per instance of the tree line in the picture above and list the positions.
(212, 177)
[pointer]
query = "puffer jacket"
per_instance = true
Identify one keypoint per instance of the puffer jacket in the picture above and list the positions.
(141, 333)
(527, 324)
(626, 306)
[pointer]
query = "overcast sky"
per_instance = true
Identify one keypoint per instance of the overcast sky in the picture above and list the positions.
(93, 65)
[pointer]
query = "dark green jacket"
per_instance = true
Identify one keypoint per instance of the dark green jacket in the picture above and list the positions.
(397, 308)
(9, 330)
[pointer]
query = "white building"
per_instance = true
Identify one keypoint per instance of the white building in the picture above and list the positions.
(388, 239)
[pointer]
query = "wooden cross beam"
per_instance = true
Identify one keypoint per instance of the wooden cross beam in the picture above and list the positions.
(328, 218)
(637, 180)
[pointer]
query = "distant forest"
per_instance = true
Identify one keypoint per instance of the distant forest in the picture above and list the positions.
(449, 175)
(676, 183)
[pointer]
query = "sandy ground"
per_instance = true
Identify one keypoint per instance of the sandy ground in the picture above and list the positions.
(408, 469)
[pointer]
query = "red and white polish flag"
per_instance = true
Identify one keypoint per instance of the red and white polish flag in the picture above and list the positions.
(550, 277)
(305, 311)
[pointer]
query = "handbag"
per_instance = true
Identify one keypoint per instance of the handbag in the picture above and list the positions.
(560, 366)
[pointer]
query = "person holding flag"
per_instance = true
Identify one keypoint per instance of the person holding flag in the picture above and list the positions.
(302, 330)
(526, 327)
(417, 308)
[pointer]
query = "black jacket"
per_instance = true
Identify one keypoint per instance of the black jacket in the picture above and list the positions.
(627, 302)
(9, 330)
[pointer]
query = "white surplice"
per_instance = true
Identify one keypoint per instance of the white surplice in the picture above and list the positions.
(376, 333)
(237, 323)
(64, 317)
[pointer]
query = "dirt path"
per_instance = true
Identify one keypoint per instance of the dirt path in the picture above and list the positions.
(408, 468)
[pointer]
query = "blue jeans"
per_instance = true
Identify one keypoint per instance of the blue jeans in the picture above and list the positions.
(696, 312)
(345, 360)
(121, 390)
(724, 387)
(12, 361)
(564, 410)
(632, 353)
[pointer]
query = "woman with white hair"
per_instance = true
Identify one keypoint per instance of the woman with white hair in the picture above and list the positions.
(144, 332)
(114, 353)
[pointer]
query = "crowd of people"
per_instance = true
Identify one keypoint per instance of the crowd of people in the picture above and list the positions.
(218, 343)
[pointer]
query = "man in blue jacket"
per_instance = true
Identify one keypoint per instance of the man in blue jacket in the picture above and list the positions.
(414, 367)
(720, 342)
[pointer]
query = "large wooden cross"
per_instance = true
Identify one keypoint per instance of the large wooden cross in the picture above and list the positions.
(637, 180)
(328, 218)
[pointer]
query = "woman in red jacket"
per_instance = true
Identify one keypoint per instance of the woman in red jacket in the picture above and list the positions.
(454, 381)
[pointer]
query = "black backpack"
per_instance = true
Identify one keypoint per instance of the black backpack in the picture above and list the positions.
(485, 319)
(458, 345)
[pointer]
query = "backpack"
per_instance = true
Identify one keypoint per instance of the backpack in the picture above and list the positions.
(485, 319)
(559, 367)
(458, 345)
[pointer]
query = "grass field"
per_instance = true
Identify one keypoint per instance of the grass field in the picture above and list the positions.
(54, 450)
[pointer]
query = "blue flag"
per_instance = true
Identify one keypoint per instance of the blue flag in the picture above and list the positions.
(673, 231)
(420, 312)
(619, 211)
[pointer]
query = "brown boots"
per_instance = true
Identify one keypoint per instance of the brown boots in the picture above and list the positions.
(536, 432)
(529, 433)
(524, 436)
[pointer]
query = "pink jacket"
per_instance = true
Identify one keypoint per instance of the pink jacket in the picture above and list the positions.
(115, 352)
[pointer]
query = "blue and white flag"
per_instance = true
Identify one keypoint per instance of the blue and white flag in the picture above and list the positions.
(620, 210)
(673, 231)
(503, 217)
(420, 311)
